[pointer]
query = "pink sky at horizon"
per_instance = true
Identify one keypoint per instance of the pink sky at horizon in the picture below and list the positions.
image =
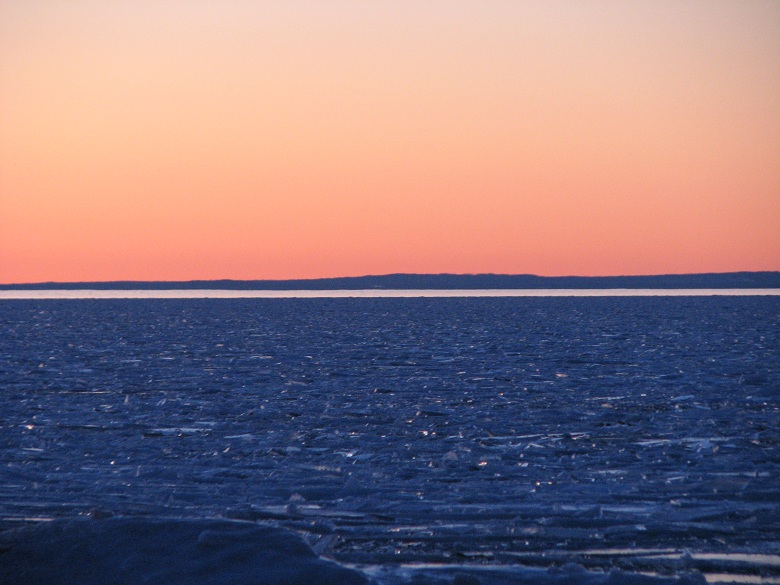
(140, 140)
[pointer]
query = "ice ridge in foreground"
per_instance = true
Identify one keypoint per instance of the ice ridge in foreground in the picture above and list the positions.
(159, 551)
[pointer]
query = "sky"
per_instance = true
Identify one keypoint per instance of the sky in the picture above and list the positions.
(242, 139)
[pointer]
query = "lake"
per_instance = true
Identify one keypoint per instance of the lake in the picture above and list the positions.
(524, 432)
(374, 293)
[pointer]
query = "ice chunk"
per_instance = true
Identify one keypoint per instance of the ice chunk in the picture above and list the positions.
(162, 551)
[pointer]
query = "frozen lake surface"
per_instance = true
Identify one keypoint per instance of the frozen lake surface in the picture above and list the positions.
(413, 440)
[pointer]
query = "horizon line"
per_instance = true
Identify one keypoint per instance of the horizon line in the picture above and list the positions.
(396, 274)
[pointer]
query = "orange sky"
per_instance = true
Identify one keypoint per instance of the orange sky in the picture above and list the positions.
(168, 140)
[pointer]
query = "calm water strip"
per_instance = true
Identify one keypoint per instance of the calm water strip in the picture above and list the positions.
(373, 293)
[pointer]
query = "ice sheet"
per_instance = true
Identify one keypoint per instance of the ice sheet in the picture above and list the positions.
(388, 431)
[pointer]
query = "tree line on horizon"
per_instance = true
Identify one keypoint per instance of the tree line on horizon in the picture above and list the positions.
(441, 281)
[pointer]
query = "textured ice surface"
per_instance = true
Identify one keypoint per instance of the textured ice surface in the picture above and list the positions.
(633, 434)
(163, 551)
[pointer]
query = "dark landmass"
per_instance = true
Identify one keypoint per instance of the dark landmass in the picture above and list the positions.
(438, 281)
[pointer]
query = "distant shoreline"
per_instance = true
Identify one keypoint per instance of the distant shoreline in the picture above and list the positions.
(726, 280)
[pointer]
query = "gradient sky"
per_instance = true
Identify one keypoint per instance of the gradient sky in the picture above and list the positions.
(173, 140)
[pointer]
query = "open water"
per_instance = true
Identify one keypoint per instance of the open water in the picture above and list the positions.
(634, 432)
